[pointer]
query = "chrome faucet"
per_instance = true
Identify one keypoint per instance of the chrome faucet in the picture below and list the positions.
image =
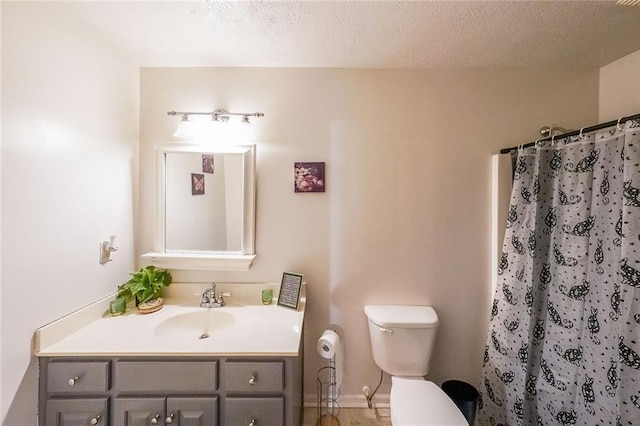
(208, 298)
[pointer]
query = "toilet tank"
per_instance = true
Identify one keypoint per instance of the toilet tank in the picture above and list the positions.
(402, 338)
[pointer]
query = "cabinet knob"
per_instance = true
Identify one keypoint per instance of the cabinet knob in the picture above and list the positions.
(95, 420)
(253, 422)
(154, 421)
(169, 419)
(253, 380)
(73, 381)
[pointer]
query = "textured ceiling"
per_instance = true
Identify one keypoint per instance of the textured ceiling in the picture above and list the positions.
(368, 34)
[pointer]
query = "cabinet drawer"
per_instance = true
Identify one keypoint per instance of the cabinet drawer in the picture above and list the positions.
(242, 411)
(64, 378)
(254, 376)
(165, 376)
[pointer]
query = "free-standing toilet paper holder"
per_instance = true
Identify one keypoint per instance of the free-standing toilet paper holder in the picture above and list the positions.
(328, 407)
(328, 388)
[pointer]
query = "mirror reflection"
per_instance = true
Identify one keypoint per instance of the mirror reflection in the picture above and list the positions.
(203, 202)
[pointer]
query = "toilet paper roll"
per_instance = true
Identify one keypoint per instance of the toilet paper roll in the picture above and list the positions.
(330, 347)
(328, 344)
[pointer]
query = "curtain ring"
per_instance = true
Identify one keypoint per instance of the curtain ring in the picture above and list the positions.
(553, 141)
(620, 128)
(581, 135)
(537, 143)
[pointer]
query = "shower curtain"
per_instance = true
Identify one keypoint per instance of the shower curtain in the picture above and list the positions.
(564, 338)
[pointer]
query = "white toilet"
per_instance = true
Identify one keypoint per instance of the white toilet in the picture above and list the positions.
(402, 338)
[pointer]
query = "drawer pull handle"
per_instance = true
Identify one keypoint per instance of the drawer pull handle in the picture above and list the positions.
(73, 381)
(95, 420)
(252, 381)
(169, 419)
(154, 421)
(253, 422)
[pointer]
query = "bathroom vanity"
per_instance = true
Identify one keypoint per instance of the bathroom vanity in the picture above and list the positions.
(158, 369)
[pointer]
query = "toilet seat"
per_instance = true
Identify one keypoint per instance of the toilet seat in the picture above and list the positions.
(417, 402)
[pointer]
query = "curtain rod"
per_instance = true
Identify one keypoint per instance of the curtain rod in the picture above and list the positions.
(574, 132)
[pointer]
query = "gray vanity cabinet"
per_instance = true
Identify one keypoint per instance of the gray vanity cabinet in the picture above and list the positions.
(170, 391)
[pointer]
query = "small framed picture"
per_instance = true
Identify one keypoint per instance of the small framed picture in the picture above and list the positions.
(207, 163)
(197, 184)
(289, 295)
(308, 177)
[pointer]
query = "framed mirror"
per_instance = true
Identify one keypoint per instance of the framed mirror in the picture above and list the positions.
(205, 207)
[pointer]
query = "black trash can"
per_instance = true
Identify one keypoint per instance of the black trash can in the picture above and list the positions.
(465, 397)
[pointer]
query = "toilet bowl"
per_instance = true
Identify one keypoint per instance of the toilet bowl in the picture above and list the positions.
(402, 339)
(418, 402)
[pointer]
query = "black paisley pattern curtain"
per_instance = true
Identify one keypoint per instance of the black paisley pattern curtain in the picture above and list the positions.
(564, 338)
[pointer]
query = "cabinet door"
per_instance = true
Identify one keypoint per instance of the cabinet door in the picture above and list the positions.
(250, 411)
(192, 411)
(77, 412)
(138, 412)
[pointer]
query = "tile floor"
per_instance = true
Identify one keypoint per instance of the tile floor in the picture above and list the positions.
(351, 417)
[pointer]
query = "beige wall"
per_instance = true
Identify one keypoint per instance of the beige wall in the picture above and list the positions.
(69, 144)
(620, 88)
(407, 214)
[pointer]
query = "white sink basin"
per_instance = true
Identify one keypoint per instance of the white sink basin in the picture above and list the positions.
(194, 326)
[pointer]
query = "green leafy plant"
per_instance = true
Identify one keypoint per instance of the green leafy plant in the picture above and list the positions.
(145, 284)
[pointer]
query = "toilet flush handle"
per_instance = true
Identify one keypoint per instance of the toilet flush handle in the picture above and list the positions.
(385, 330)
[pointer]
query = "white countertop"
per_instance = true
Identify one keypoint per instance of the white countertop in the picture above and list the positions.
(252, 328)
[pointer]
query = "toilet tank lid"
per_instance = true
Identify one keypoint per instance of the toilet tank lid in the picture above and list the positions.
(404, 316)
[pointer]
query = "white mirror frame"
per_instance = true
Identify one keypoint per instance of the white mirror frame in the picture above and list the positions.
(209, 260)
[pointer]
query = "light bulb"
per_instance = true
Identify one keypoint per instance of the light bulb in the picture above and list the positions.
(185, 129)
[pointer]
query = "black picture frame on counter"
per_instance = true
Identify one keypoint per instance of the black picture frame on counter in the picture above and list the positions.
(289, 295)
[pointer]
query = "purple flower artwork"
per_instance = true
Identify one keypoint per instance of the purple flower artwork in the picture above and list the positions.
(309, 177)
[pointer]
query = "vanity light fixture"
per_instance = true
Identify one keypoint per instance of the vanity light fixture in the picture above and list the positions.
(188, 129)
(108, 247)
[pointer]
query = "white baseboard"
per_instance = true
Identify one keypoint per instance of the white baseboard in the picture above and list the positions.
(354, 400)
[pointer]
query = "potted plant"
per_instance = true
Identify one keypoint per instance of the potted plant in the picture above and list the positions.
(145, 286)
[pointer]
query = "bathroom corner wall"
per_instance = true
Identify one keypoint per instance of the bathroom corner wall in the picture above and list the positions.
(620, 88)
(69, 148)
(406, 218)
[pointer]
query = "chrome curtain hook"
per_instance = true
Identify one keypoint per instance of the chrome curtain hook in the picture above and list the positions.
(553, 140)
(618, 124)
(581, 135)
